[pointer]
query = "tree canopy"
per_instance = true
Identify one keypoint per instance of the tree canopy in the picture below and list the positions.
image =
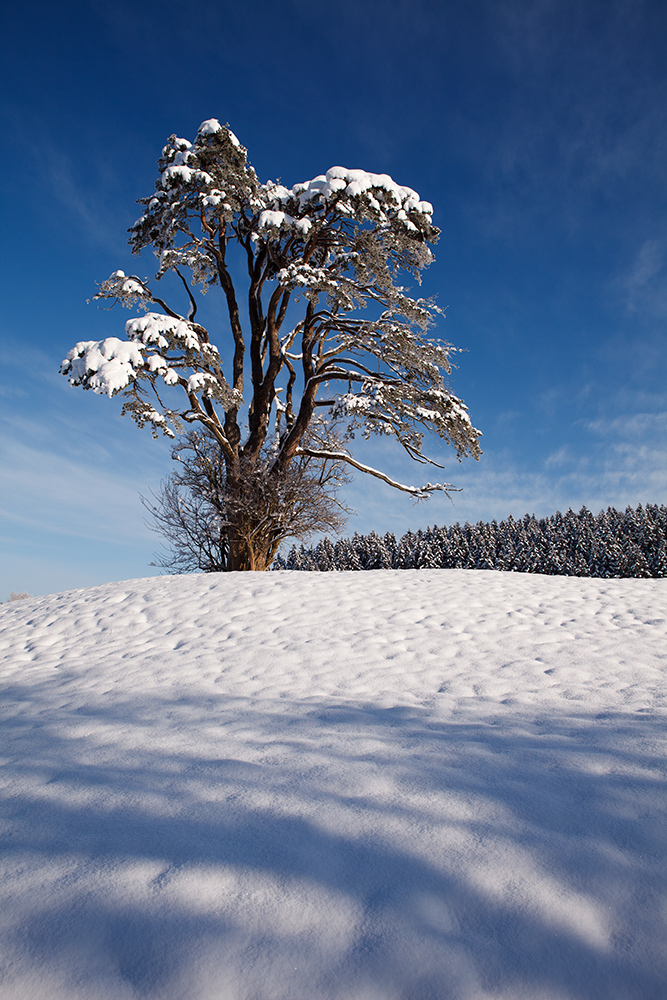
(322, 341)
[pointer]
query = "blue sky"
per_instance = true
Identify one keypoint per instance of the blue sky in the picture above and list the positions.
(538, 130)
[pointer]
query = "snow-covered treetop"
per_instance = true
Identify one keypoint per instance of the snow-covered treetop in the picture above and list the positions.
(212, 180)
(338, 246)
(212, 126)
(340, 186)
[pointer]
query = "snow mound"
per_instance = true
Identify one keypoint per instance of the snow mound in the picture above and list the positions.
(378, 785)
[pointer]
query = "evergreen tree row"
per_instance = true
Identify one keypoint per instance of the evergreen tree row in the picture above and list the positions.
(630, 543)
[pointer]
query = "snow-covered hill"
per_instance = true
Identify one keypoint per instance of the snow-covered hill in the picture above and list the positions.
(372, 786)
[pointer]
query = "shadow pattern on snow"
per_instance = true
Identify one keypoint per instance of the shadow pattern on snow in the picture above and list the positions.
(332, 850)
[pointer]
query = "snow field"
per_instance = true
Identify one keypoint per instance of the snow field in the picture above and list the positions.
(364, 786)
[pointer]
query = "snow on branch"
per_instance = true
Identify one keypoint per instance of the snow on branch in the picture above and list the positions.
(124, 289)
(418, 492)
(105, 366)
(360, 192)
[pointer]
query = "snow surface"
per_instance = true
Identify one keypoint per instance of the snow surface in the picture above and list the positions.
(364, 786)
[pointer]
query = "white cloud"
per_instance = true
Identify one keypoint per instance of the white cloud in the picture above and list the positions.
(617, 462)
(632, 426)
(644, 287)
(625, 463)
(45, 491)
(93, 217)
(562, 457)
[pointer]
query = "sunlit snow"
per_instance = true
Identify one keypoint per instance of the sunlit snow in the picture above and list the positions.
(362, 786)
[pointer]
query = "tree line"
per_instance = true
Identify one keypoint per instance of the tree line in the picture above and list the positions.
(613, 543)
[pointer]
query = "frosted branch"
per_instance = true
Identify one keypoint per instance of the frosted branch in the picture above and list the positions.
(418, 492)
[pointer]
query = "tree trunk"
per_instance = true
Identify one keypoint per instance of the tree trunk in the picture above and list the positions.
(256, 555)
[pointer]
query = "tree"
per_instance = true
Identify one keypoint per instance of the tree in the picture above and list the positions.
(196, 508)
(330, 337)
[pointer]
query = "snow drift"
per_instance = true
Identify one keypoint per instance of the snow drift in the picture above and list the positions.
(436, 784)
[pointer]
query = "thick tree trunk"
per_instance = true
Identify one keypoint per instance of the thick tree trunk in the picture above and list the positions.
(251, 532)
(255, 556)
(238, 556)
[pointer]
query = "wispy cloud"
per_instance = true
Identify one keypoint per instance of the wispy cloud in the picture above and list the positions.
(644, 286)
(88, 212)
(84, 185)
(70, 465)
(583, 122)
(47, 492)
(615, 463)
(619, 462)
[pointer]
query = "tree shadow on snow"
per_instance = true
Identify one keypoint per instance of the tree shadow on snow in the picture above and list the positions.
(480, 870)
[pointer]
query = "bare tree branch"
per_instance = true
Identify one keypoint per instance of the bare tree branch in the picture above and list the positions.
(419, 492)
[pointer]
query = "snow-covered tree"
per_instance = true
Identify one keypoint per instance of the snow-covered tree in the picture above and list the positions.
(632, 543)
(194, 508)
(324, 341)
